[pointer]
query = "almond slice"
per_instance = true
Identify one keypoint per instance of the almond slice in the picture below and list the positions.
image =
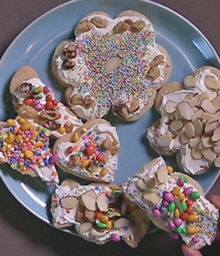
(196, 154)
(176, 125)
(212, 83)
(209, 154)
(185, 110)
(170, 107)
(217, 162)
(194, 142)
(112, 64)
(141, 184)
(102, 203)
(85, 227)
(207, 106)
(197, 123)
(184, 139)
(217, 149)
(89, 202)
(164, 140)
(211, 126)
(151, 197)
(216, 103)
(189, 82)
(216, 135)
(162, 175)
(69, 202)
(121, 222)
(189, 130)
(206, 142)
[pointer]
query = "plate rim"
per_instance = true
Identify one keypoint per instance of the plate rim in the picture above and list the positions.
(63, 5)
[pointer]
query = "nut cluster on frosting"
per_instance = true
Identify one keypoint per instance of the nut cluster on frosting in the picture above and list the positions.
(100, 213)
(189, 122)
(36, 102)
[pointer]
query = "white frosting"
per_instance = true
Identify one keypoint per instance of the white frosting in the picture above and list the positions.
(102, 131)
(208, 213)
(188, 164)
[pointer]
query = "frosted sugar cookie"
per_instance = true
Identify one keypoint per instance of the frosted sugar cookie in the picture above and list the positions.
(98, 212)
(113, 64)
(189, 123)
(90, 152)
(175, 203)
(25, 147)
(35, 101)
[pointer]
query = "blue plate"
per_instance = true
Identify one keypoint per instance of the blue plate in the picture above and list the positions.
(188, 48)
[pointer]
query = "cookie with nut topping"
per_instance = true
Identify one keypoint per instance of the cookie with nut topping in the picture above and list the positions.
(112, 65)
(35, 101)
(90, 152)
(99, 213)
(189, 124)
(175, 203)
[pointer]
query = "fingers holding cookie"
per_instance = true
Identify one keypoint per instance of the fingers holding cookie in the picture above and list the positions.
(175, 203)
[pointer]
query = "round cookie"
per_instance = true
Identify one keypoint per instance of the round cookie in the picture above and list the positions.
(98, 212)
(189, 123)
(90, 152)
(26, 148)
(35, 101)
(175, 203)
(113, 64)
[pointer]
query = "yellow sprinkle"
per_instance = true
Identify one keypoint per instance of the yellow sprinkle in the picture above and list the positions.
(193, 217)
(26, 126)
(176, 190)
(75, 137)
(21, 120)
(169, 169)
(192, 230)
(11, 122)
(181, 196)
(40, 89)
(28, 154)
(38, 144)
(115, 187)
(177, 213)
(84, 129)
(10, 138)
(62, 130)
(103, 172)
(108, 224)
(104, 218)
(85, 163)
(18, 138)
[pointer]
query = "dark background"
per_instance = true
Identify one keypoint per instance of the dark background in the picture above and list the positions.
(23, 234)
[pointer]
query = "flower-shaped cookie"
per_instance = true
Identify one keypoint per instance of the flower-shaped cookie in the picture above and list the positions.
(113, 64)
(175, 203)
(98, 212)
(25, 147)
(189, 123)
(36, 102)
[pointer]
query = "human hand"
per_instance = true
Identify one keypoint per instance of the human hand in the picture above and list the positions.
(191, 252)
